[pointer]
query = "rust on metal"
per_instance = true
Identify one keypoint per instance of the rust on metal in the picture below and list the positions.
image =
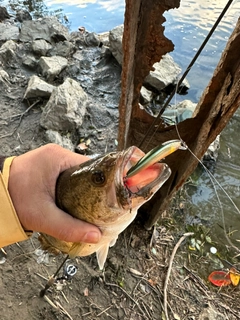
(143, 44)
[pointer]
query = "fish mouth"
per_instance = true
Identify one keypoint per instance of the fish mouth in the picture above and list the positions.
(139, 188)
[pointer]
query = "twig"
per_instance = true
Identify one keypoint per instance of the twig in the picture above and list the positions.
(229, 309)
(145, 308)
(198, 281)
(57, 306)
(50, 302)
(142, 278)
(64, 296)
(63, 310)
(38, 274)
(169, 271)
(21, 115)
(104, 311)
(128, 295)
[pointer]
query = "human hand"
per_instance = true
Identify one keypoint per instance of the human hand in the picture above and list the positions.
(32, 182)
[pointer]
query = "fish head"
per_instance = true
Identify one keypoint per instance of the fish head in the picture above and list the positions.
(98, 190)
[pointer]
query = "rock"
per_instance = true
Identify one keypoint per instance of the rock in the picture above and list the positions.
(52, 66)
(8, 51)
(187, 105)
(23, 15)
(63, 49)
(47, 28)
(41, 47)
(180, 112)
(115, 42)
(3, 14)
(63, 141)
(91, 39)
(86, 39)
(66, 107)
(104, 38)
(183, 87)
(8, 32)
(212, 152)
(4, 77)
(30, 62)
(165, 73)
(113, 263)
(38, 88)
(145, 96)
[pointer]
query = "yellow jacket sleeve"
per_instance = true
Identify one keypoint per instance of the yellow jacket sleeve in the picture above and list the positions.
(11, 230)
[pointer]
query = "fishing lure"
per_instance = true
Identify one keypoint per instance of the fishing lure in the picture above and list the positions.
(155, 155)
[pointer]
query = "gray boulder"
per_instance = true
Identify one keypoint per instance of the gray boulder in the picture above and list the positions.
(38, 88)
(86, 39)
(48, 28)
(30, 61)
(115, 42)
(66, 107)
(41, 47)
(145, 96)
(63, 48)
(8, 51)
(52, 66)
(166, 73)
(8, 32)
(182, 111)
(63, 141)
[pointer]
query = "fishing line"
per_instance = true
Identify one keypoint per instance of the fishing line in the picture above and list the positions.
(154, 124)
(215, 183)
(213, 180)
(157, 118)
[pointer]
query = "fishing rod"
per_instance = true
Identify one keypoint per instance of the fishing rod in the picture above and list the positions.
(52, 279)
(157, 118)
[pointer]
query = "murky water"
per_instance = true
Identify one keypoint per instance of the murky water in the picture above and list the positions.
(187, 27)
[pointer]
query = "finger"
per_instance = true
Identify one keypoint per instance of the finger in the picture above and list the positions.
(68, 158)
(65, 227)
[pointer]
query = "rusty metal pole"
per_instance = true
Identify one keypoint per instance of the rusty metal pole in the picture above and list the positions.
(143, 44)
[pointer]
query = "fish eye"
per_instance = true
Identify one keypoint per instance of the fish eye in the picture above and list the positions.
(98, 178)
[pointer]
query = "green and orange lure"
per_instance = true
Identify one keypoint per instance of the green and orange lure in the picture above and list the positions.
(155, 155)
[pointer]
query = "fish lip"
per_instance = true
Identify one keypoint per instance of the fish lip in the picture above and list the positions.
(128, 199)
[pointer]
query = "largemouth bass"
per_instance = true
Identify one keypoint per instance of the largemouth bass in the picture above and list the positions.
(99, 192)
